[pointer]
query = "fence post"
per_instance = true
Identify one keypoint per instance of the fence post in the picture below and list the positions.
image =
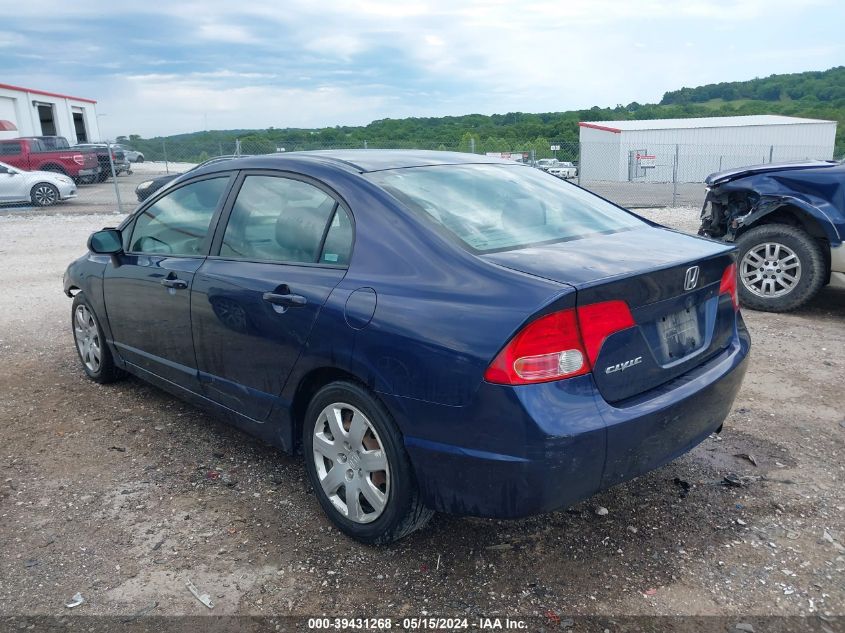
(532, 156)
(675, 180)
(771, 152)
(164, 149)
(472, 145)
(580, 161)
(114, 178)
(237, 147)
(365, 144)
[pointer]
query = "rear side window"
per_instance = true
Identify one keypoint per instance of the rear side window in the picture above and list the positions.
(502, 207)
(10, 149)
(177, 224)
(338, 245)
(287, 221)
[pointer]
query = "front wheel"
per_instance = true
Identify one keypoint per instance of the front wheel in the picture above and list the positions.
(357, 464)
(91, 344)
(44, 194)
(780, 267)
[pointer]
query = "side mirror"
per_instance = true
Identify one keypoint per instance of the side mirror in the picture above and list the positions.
(105, 242)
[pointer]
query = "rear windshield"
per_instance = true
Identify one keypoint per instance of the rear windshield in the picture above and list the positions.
(502, 207)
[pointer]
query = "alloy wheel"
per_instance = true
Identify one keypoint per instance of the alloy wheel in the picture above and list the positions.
(351, 463)
(87, 338)
(44, 195)
(770, 270)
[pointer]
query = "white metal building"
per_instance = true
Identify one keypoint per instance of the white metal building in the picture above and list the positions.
(687, 150)
(30, 112)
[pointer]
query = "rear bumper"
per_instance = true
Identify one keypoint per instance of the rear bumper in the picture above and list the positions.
(539, 448)
(93, 171)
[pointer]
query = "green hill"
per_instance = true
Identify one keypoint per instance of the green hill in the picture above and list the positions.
(816, 95)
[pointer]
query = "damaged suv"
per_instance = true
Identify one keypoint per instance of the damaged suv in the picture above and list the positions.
(788, 221)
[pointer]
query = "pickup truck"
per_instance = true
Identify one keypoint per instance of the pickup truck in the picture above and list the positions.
(118, 157)
(31, 154)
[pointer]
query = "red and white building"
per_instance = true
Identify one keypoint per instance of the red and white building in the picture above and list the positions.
(32, 112)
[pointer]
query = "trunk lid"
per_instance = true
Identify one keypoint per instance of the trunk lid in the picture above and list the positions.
(678, 324)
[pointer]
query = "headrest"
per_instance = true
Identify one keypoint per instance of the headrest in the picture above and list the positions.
(299, 229)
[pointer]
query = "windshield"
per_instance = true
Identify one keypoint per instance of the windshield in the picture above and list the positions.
(502, 207)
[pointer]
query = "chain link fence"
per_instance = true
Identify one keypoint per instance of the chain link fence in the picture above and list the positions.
(633, 177)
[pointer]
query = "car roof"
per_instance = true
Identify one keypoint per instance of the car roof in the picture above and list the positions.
(360, 160)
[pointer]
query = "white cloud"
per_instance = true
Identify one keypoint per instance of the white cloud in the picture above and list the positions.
(172, 104)
(355, 60)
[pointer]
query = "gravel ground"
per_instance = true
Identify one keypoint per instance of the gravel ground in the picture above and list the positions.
(122, 493)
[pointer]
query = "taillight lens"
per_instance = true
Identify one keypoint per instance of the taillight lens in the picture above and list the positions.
(558, 345)
(79, 159)
(728, 285)
(600, 320)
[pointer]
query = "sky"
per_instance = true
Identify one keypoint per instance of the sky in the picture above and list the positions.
(160, 67)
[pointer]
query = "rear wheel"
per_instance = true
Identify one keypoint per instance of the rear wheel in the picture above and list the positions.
(91, 344)
(140, 159)
(357, 464)
(44, 194)
(780, 267)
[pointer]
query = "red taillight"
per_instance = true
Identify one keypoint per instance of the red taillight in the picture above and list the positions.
(559, 345)
(600, 320)
(79, 159)
(728, 285)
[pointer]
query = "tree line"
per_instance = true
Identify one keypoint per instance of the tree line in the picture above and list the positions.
(816, 95)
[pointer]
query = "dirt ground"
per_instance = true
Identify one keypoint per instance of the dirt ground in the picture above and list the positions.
(122, 493)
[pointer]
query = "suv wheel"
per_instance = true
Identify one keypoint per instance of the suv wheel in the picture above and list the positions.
(780, 267)
(91, 345)
(357, 464)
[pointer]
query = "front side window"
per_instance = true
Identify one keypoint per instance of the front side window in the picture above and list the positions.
(502, 207)
(177, 224)
(281, 220)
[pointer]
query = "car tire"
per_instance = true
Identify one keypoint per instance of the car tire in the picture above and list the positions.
(43, 194)
(140, 159)
(369, 438)
(780, 267)
(103, 175)
(91, 346)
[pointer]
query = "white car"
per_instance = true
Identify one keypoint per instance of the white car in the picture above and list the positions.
(40, 188)
(564, 170)
(131, 155)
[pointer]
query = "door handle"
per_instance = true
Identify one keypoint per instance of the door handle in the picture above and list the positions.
(286, 300)
(178, 284)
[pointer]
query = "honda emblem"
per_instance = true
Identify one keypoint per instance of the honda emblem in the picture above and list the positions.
(691, 278)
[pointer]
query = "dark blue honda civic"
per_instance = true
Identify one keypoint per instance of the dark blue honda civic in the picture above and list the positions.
(433, 331)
